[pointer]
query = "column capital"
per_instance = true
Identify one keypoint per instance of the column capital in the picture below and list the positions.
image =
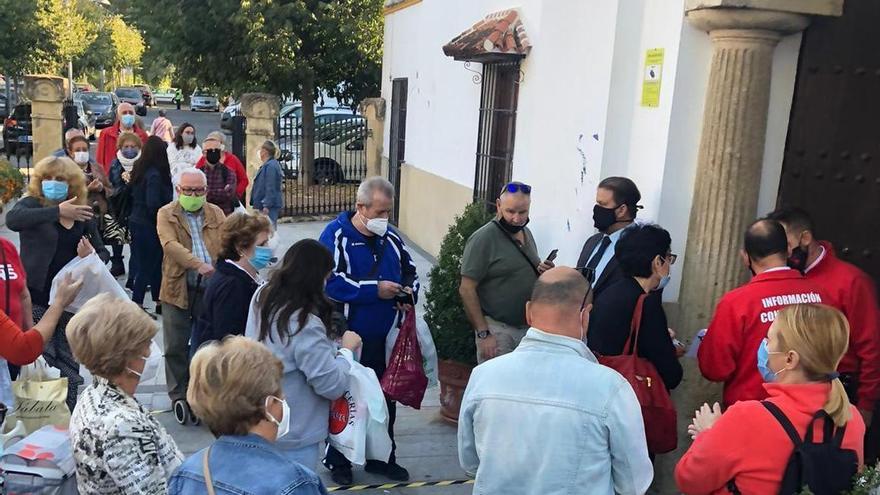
(259, 106)
(738, 19)
(376, 103)
(806, 7)
(45, 88)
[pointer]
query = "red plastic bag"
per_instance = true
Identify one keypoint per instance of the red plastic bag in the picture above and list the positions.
(404, 379)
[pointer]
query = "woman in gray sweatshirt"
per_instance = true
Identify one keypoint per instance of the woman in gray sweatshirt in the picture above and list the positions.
(292, 316)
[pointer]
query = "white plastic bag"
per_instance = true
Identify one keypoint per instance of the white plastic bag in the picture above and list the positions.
(359, 419)
(426, 344)
(96, 279)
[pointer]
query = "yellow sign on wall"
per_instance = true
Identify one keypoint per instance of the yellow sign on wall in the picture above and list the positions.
(653, 75)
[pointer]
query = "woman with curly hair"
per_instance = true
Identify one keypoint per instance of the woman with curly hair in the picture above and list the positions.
(55, 225)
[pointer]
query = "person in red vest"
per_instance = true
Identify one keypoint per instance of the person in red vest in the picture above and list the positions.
(856, 295)
(729, 351)
(125, 122)
(232, 162)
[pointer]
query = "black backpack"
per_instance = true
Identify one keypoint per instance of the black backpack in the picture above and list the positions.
(826, 468)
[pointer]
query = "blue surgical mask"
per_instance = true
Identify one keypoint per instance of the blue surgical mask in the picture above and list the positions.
(261, 258)
(55, 190)
(663, 282)
(127, 120)
(767, 374)
(130, 153)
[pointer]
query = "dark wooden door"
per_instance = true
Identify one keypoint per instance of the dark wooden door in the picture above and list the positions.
(832, 157)
(397, 142)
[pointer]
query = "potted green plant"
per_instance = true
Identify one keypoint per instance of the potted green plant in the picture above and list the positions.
(11, 185)
(444, 312)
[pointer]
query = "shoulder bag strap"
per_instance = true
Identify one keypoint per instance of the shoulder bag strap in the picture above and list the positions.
(518, 248)
(6, 284)
(783, 420)
(206, 471)
(634, 327)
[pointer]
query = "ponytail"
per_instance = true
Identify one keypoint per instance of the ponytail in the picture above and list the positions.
(837, 406)
(820, 336)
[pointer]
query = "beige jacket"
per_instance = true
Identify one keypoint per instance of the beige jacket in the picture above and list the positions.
(176, 241)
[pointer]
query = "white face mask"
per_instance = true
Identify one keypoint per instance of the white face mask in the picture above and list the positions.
(378, 226)
(284, 423)
(81, 157)
(151, 364)
(187, 138)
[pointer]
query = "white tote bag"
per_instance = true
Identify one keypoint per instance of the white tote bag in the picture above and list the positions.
(96, 279)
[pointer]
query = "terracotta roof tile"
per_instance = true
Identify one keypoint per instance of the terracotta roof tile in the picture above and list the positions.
(500, 35)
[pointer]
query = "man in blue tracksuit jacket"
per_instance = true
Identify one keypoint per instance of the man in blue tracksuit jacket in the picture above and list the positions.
(373, 281)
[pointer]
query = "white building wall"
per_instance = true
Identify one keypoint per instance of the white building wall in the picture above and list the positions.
(580, 116)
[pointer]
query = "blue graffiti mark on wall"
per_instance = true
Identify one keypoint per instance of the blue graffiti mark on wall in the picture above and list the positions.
(583, 157)
(568, 224)
(596, 137)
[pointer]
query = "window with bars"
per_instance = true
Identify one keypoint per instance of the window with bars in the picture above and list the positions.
(497, 129)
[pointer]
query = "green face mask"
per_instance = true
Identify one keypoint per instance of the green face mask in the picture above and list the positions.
(191, 203)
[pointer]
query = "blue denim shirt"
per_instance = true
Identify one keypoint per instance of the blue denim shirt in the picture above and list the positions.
(548, 419)
(245, 465)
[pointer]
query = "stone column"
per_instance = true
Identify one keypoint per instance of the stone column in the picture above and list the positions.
(261, 111)
(744, 35)
(373, 109)
(46, 94)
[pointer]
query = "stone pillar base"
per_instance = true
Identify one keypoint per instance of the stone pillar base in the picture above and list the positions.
(261, 111)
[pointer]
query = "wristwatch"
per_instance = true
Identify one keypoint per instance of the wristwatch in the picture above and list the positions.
(482, 334)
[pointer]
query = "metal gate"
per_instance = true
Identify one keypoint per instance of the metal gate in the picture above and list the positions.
(339, 166)
(397, 141)
(832, 153)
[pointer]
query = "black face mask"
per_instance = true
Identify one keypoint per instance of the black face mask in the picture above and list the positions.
(798, 259)
(603, 218)
(510, 228)
(213, 156)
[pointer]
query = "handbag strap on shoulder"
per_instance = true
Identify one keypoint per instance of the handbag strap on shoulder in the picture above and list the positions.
(206, 471)
(635, 325)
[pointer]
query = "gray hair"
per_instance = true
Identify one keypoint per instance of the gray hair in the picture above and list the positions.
(271, 148)
(216, 136)
(370, 186)
(190, 171)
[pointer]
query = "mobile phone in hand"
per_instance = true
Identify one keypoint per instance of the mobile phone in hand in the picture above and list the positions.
(552, 255)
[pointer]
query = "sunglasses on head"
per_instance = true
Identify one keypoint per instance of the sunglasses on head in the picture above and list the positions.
(588, 273)
(515, 187)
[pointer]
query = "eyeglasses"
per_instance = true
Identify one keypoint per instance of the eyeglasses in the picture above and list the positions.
(588, 273)
(189, 191)
(587, 296)
(515, 187)
(670, 258)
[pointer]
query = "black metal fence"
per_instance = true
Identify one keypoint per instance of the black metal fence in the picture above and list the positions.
(329, 184)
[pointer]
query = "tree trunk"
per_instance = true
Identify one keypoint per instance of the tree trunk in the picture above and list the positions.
(307, 153)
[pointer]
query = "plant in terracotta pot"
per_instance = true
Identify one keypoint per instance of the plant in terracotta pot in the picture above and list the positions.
(444, 312)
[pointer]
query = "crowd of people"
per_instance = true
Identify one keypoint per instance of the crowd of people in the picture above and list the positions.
(258, 355)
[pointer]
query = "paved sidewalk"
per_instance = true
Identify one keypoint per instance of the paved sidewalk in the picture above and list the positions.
(426, 443)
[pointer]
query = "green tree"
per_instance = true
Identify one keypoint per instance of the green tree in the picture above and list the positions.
(70, 31)
(22, 38)
(285, 47)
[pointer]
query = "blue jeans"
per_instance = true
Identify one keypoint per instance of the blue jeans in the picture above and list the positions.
(273, 215)
(146, 255)
(307, 456)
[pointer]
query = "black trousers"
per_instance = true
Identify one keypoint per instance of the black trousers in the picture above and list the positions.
(373, 357)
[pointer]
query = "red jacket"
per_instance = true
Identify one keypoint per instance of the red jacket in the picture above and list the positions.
(234, 164)
(16, 346)
(748, 444)
(107, 144)
(729, 351)
(854, 293)
(12, 278)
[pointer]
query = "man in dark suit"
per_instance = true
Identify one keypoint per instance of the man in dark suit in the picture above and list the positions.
(616, 206)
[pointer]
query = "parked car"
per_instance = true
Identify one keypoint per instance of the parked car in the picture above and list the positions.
(17, 129)
(228, 113)
(341, 159)
(147, 92)
(86, 120)
(83, 88)
(102, 106)
(133, 96)
(165, 95)
(322, 118)
(202, 100)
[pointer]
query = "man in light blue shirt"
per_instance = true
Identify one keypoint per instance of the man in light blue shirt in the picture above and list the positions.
(547, 418)
(616, 207)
